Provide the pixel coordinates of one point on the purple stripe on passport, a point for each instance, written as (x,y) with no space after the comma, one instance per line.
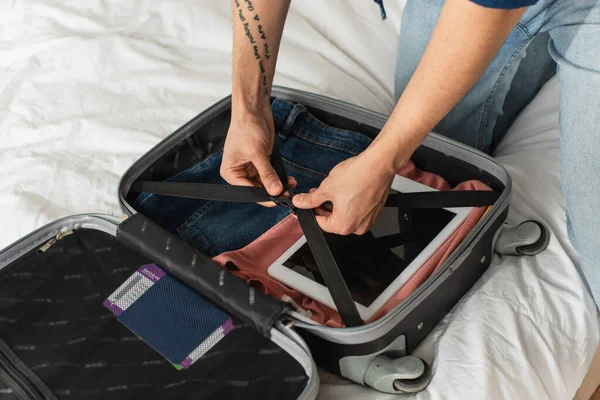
(112,307)
(185,364)
(152,272)
(227,326)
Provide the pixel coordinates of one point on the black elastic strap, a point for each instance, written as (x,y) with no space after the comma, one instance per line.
(443,199)
(278,166)
(329,269)
(204,191)
(318,246)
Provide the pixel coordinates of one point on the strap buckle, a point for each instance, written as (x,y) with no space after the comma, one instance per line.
(284,202)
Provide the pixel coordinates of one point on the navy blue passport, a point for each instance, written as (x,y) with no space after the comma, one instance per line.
(178,322)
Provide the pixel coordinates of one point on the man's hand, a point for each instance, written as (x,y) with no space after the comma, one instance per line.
(246,156)
(247,150)
(357,188)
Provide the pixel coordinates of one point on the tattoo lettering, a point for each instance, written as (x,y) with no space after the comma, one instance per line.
(265,85)
(250,37)
(262,33)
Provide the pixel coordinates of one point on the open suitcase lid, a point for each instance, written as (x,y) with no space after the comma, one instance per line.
(272,326)
(41,240)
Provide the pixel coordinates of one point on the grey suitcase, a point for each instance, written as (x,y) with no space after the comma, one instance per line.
(58,341)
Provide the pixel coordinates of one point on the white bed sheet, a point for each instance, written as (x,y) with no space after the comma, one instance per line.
(88,87)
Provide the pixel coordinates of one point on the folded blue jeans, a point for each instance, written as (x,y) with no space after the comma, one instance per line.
(310,149)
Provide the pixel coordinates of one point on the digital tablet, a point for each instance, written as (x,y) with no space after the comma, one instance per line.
(377,264)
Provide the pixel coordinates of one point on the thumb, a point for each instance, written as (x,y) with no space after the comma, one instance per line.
(268,176)
(309,200)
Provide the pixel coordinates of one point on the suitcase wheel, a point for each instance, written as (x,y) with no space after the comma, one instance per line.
(414,385)
(540,244)
(408,374)
(528,238)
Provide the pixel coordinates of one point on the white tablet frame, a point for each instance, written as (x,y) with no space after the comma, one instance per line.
(320,293)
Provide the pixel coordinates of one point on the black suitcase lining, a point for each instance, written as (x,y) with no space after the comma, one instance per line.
(52,318)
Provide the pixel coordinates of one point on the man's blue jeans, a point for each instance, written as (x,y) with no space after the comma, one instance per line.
(560,36)
(310,149)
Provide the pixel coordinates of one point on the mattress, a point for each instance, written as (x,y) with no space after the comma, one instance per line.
(88,87)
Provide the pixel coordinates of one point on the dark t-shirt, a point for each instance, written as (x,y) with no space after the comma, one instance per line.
(505,3)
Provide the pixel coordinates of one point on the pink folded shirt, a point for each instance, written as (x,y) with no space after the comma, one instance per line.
(251,262)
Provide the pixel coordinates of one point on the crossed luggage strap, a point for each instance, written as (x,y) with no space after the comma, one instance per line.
(314,236)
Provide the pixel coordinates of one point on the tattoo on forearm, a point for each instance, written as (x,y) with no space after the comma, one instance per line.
(248,34)
(257,55)
(262,33)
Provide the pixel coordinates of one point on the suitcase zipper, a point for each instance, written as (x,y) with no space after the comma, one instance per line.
(55,239)
(18,378)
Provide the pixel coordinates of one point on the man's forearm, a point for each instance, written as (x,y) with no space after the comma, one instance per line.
(464,42)
(257,29)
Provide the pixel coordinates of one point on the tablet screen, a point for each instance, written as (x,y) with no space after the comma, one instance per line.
(371,262)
